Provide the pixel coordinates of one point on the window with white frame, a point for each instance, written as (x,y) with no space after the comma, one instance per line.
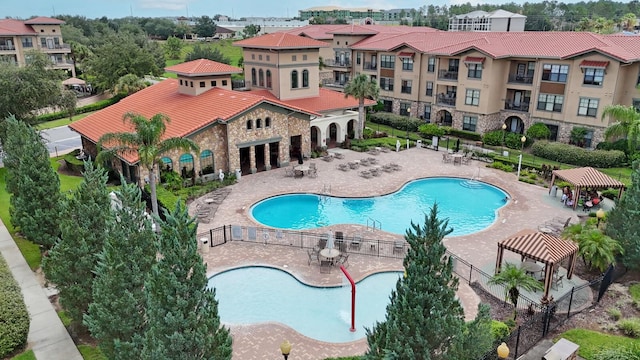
(554,72)
(472,97)
(406,86)
(469,123)
(429,88)
(387,61)
(386,84)
(588,107)
(549,102)
(431,65)
(407,63)
(474,71)
(593,76)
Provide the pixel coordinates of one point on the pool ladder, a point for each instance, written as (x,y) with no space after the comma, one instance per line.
(372,223)
(326,189)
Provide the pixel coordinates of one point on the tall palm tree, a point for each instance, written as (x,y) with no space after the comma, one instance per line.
(146,142)
(627,124)
(362,87)
(513,279)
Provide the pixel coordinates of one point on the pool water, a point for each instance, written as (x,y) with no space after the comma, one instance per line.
(254,294)
(469,205)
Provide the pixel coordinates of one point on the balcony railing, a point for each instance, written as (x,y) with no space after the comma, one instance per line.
(446,99)
(7,47)
(521,79)
(338,62)
(370,66)
(55,47)
(334,83)
(237,84)
(509,105)
(447,75)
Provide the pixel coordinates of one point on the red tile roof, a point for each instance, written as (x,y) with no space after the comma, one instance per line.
(594,64)
(318,32)
(280,40)
(15,27)
(328,100)
(43,20)
(187,113)
(203,67)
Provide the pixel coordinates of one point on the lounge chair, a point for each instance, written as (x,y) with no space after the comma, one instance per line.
(356,242)
(366,174)
(339,156)
(398,246)
(252,233)
(236,232)
(354,165)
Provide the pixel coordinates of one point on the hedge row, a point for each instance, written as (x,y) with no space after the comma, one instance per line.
(570,154)
(81,110)
(14,318)
(429,130)
(399,122)
(503,138)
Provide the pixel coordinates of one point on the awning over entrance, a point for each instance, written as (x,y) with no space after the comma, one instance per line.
(474,60)
(542,247)
(406,54)
(594,64)
(586,177)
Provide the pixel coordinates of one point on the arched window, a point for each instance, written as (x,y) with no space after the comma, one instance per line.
(186,165)
(249,124)
(268,79)
(267,122)
(253,77)
(305,78)
(294,79)
(167,164)
(206,162)
(261,77)
(258,123)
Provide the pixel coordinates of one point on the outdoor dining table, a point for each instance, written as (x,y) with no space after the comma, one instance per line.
(330,254)
(303,168)
(457,159)
(531,267)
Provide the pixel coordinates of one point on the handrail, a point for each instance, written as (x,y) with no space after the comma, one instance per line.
(373,223)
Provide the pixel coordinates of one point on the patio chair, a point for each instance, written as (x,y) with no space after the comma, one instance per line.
(354,165)
(322,242)
(398,246)
(446,158)
(356,242)
(289,172)
(557,281)
(339,156)
(466,158)
(313,255)
(366,174)
(325,266)
(312,173)
(343,260)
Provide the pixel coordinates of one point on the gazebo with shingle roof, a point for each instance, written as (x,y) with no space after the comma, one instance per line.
(584,178)
(542,247)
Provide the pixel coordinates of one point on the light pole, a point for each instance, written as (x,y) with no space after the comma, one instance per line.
(523,139)
(503,351)
(600,216)
(504,133)
(285,348)
(407,125)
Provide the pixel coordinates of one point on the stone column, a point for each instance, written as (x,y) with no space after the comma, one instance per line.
(267,157)
(252,159)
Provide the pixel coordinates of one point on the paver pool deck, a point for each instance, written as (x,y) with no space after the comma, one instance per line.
(528,207)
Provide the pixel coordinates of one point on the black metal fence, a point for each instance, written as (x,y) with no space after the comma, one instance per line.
(536,319)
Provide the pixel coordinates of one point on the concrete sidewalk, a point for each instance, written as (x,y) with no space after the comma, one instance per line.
(48,338)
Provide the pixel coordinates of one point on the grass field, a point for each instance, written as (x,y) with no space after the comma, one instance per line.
(61,122)
(234,53)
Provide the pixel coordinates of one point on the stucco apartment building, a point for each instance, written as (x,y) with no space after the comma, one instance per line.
(17,37)
(478,81)
(281,113)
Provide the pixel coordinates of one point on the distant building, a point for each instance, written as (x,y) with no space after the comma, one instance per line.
(499,20)
(336,12)
(267,25)
(17,37)
(395,14)
(224,33)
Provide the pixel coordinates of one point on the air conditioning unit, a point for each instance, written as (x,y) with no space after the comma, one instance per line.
(562,350)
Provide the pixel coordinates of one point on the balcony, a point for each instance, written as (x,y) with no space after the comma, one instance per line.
(522,106)
(446,99)
(370,66)
(331,83)
(447,75)
(338,62)
(7,48)
(521,79)
(56,48)
(238,84)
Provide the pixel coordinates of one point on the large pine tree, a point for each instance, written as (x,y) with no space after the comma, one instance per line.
(116,317)
(424,318)
(32,182)
(182,313)
(623,222)
(72,260)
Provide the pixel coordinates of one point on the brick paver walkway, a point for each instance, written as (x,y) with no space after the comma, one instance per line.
(529,206)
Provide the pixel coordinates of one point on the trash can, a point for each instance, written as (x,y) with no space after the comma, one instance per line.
(554,191)
(238,174)
(419,144)
(505,153)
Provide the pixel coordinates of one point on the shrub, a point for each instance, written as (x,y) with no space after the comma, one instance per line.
(611,193)
(510,323)
(630,327)
(493,138)
(430,130)
(615,313)
(81,110)
(501,166)
(399,122)
(14,326)
(538,131)
(464,134)
(621,353)
(574,155)
(499,330)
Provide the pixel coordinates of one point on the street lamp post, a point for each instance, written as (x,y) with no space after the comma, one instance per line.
(407,124)
(285,348)
(523,139)
(600,216)
(504,133)
(503,351)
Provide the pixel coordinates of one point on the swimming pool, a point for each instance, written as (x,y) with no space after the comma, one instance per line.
(256,294)
(470,206)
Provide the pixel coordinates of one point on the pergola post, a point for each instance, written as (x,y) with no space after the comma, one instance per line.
(499,259)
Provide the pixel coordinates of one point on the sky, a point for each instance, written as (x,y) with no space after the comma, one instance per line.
(234,8)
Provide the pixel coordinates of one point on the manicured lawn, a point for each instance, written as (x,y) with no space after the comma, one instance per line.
(61,122)
(91,353)
(592,341)
(27,355)
(226,47)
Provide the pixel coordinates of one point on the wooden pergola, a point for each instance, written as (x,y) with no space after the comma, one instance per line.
(585,178)
(546,248)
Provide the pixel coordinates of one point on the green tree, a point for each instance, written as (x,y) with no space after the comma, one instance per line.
(182,312)
(182,29)
(68,101)
(628,21)
(173,47)
(116,317)
(25,90)
(623,221)
(206,52)
(71,261)
(33,184)
(361,88)
(147,142)
(627,125)
(597,249)
(129,84)
(424,318)
(477,338)
(513,279)
(250,31)
(205,27)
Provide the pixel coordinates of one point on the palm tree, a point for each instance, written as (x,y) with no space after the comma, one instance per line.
(362,87)
(597,249)
(146,142)
(627,124)
(513,279)
(129,84)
